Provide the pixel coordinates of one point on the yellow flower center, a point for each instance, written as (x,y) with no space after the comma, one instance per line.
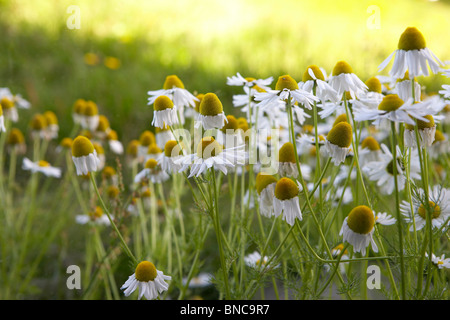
(422,211)
(374,84)
(341,135)
(50,117)
(197,103)
(90,109)
(263,180)
(97,213)
(173,81)
(103,123)
(438,136)
(151,164)
(6,103)
(342,67)
(361,220)
(79,106)
(15,136)
(98,147)
(390,102)
(42,163)
(411,39)
(422,124)
(308,128)
(172,149)
(163,103)
(287,153)
(108,172)
(341,118)
(242,124)
(38,122)
(286,82)
(390,166)
(154,149)
(132,148)
(66,143)
(370,143)
(208,147)
(232,124)
(112,192)
(317,73)
(286,189)
(147,138)
(211,105)
(81,146)
(145,271)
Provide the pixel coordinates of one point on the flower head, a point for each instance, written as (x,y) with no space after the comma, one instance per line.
(286,200)
(84,156)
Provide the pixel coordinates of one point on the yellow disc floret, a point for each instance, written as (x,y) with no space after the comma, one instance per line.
(15,137)
(197,102)
(370,143)
(151,164)
(90,109)
(145,271)
(411,39)
(286,82)
(340,118)
(154,149)
(286,189)
(438,136)
(163,103)
(361,220)
(342,67)
(6,103)
(173,81)
(147,138)
(172,149)
(390,102)
(82,146)
(132,147)
(317,73)
(374,85)
(208,147)
(287,153)
(50,117)
(43,163)
(341,135)
(97,213)
(38,122)
(232,124)
(421,125)
(263,180)
(436,210)
(211,105)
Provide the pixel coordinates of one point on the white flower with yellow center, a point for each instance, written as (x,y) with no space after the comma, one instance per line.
(314,77)
(286,90)
(2,120)
(174,88)
(230,135)
(211,154)
(172,152)
(150,281)
(287,165)
(146,139)
(84,156)
(15,98)
(286,200)
(426,130)
(265,187)
(344,80)
(412,55)
(165,112)
(384,219)
(162,135)
(52,124)
(41,166)
(38,127)
(338,142)
(153,152)
(369,150)
(403,88)
(90,117)
(77,111)
(440,262)
(211,114)
(394,109)
(152,171)
(358,228)
(115,145)
(256,261)
(438,206)
(96,217)
(248,82)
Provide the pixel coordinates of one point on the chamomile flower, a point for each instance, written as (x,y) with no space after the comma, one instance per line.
(162,135)
(96,217)
(343,80)
(211,112)
(150,281)
(440,262)
(384,219)
(38,127)
(115,145)
(152,171)
(165,112)
(90,116)
(286,89)
(287,165)
(77,111)
(338,142)
(153,152)
(313,77)
(2,120)
(52,124)
(8,106)
(426,130)
(265,187)
(41,166)
(172,152)
(369,150)
(358,228)
(286,200)
(211,154)
(255,260)
(103,127)
(16,141)
(15,98)
(412,55)
(84,156)
(230,135)
(174,88)
(393,108)
(403,88)
(249,82)
(439,146)
(146,139)
(438,202)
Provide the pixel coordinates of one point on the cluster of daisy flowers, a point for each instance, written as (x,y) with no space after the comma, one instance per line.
(352,155)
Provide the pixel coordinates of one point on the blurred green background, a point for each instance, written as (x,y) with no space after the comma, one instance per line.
(125,48)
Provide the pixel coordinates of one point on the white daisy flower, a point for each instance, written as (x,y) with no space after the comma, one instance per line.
(211,154)
(2,120)
(412,55)
(90,118)
(8,106)
(369,151)
(313,76)
(172,152)
(84,156)
(95,217)
(286,200)
(426,130)
(255,260)
(165,112)
(285,88)
(162,135)
(445,91)
(403,88)
(41,166)
(439,203)
(114,144)
(146,139)
(358,228)
(344,80)
(440,262)
(287,165)
(152,171)
(265,187)
(77,111)
(249,82)
(338,142)
(211,112)
(150,281)
(384,219)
